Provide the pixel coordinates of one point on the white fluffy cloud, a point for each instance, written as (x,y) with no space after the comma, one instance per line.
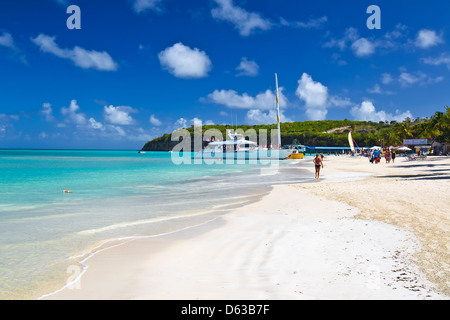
(80,57)
(184,62)
(315,96)
(386,78)
(144,5)
(395,39)
(407,79)
(155,121)
(443,59)
(366,112)
(95,124)
(248,68)
(185,123)
(181,123)
(249,22)
(317,99)
(47,111)
(118,115)
(6,127)
(261,108)
(73,115)
(246,22)
(6,40)
(362,47)
(231,99)
(257,116)
(428,38)
(116,125)
(310,24)
(378,90)
(313,93)
(197,122)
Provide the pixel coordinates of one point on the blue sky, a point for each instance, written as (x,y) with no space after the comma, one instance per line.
(140,68)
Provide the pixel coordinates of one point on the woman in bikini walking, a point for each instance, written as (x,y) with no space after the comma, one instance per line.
(318,163)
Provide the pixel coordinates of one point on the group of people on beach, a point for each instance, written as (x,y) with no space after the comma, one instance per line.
(389,156)
(375,156)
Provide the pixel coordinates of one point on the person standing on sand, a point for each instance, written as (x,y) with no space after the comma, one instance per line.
(318,163)
(393,156)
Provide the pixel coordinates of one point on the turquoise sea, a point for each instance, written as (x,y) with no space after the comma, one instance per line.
(115,194)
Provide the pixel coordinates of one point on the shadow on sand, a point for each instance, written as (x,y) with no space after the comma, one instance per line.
(429,172)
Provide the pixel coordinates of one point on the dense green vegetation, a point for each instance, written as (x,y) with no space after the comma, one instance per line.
(333,133)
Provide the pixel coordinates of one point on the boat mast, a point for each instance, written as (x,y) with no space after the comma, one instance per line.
(278,112)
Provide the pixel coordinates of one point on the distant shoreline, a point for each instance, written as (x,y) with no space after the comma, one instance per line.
(32,149)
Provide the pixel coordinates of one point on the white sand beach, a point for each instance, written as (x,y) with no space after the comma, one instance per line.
(363,232)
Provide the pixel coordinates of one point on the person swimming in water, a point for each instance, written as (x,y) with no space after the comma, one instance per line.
(318,164)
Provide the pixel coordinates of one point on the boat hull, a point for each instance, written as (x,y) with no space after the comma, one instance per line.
(295,156)
(245,155)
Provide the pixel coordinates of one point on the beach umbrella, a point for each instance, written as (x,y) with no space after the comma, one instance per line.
(375,148)
(404,149)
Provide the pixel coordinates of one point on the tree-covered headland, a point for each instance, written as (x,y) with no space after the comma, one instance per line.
(333,133)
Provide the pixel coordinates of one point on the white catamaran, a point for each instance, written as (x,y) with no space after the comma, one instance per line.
(235,146)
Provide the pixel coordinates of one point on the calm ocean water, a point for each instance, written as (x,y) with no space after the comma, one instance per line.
(115,194)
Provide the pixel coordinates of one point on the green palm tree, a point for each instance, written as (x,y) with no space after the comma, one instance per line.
(438,127)
(445,129)
(391,138)
(403,131)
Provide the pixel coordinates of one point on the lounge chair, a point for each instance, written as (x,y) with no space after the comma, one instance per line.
(411,157)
